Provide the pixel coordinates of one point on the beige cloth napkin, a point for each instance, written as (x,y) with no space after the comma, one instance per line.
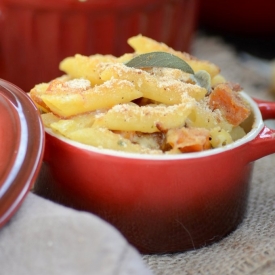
(45,238)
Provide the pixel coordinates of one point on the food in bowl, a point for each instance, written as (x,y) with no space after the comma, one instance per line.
(153,101)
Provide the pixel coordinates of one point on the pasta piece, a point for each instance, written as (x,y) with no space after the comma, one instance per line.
(36,94)
(66,126)
(204,117)
(219,137)
(103,138)
(49,118)
(218,79)
(80,66)
(145,118)
(69,103)
(177,80)
(56,86)
(167,92)
(164,74)
(125,57)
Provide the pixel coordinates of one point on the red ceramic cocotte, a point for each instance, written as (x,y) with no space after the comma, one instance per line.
(161,204)
(21,148)
(36,35)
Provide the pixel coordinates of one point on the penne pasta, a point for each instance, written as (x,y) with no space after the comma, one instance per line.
(154,100)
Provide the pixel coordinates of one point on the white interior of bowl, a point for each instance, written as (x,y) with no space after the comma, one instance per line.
(252,134)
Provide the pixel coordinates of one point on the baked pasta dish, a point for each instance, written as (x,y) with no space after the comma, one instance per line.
(154,100)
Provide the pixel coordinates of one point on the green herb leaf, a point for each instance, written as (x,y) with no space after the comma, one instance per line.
(203,79)
(168,60)
(159,59)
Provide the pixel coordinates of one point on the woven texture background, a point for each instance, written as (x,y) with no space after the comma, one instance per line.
(251,248)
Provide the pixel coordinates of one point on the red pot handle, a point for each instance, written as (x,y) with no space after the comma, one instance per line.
(267,108)
(264,143)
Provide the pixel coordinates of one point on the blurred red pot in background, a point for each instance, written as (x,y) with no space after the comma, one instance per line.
(36,35)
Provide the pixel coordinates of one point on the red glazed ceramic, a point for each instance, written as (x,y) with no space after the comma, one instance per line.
(21,148)
(35,32)
(239,17)
(161,204)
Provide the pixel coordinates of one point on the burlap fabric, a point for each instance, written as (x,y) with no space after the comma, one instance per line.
(46,238)
(251,248)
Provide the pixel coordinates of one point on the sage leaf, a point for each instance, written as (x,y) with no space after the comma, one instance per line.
(159,59)
(168,60)
(203,79)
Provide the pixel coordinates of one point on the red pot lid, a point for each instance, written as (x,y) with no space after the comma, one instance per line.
(21,148)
